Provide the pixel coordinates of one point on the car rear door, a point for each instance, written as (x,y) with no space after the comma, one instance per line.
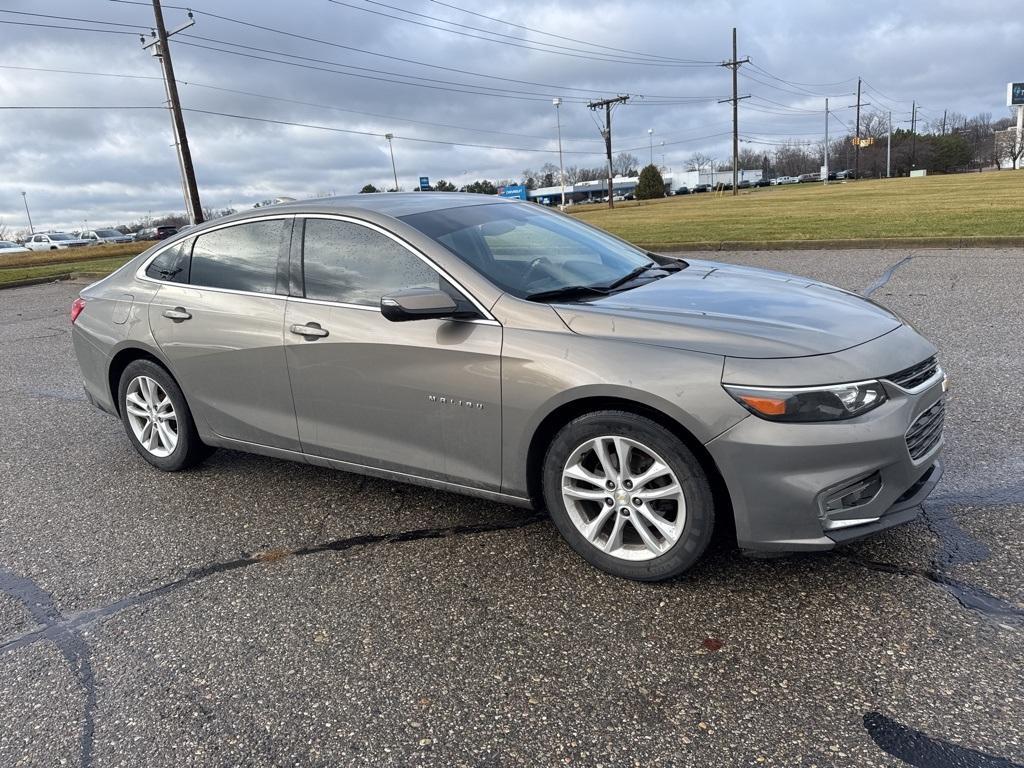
(218,318)
(421,397)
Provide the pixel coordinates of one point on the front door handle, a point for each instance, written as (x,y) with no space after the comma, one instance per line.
(311,331)
(178,314)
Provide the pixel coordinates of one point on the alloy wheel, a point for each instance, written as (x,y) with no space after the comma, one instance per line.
(151,416)
(624,498)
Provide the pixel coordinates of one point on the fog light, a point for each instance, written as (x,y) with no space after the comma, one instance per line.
(855,494)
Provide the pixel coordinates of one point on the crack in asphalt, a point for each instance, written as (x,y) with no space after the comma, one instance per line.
(922,751)
(885,277)
(64,630)
(956,547)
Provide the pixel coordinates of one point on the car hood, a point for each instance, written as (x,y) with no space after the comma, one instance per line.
(734,311)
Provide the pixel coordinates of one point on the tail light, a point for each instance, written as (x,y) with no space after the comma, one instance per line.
(76,308)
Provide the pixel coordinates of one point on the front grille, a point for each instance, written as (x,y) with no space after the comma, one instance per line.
(915,375)
(926,431)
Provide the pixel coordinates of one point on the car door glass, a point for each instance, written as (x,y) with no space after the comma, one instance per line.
(353,264)
(239,258)
(171,264)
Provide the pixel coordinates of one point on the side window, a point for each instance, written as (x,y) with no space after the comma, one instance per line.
(239,258)
(172,264)
(353,264)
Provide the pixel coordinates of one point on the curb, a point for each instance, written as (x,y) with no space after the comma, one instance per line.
(52,279)
(857,243)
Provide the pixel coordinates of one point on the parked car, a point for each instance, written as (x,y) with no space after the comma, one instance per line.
(105,236)
(683,190)
(701,188)
(156,233)
(848,174)
(744,184)
(8,246)
(804,178)
(425,338)
(787,180)
(53,241)
(762,182)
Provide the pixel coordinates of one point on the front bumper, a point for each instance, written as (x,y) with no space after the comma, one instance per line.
(781,476)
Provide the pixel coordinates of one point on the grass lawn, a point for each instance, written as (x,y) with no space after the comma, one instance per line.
(15,267)
(977,204)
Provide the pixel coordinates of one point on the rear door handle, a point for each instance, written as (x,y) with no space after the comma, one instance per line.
(311,331)
(178,314)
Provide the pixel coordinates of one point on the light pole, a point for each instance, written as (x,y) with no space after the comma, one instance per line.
(663,155)
(650,135)
(561,168)
(24,197)
(391,149)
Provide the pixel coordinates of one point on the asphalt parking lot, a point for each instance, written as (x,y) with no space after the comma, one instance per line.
(257,612)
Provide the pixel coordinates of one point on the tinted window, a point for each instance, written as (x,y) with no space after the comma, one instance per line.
(525,249)
(240,258)
(172,264)
(354,264)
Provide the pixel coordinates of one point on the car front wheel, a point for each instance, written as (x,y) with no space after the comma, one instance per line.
(628,496)
(157,419)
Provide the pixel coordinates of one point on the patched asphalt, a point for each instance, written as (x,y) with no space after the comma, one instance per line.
(258,612)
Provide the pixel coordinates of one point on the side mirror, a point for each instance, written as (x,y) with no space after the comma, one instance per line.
(417,304)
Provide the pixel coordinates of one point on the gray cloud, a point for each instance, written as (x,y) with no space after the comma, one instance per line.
(109,166)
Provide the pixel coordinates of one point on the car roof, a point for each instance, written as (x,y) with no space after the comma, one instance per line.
(393,204)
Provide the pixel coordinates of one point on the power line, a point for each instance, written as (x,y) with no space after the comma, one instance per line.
(507,42)
(194,84)
(571,39)
(65,26)
(73,18)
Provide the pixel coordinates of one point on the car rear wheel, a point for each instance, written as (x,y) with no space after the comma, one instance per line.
(157,419)
(628,496)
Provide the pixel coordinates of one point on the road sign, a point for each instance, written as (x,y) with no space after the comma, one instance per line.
(424,183)
(517,191)
(1014,94)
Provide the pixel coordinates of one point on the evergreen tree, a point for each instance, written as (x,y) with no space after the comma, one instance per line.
(651,184)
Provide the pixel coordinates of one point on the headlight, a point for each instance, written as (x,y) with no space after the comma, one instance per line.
(804,404)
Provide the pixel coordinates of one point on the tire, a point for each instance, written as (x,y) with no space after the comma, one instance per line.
(144,383)
(676,506)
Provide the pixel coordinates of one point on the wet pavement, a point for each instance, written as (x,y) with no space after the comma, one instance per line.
(258,612)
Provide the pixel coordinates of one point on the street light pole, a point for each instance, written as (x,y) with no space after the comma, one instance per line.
(24,197)
(561,168)
(391,149)
(650,135)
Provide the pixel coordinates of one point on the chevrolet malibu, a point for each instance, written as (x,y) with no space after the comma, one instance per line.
(499,349)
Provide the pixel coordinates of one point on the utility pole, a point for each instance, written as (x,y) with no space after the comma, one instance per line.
(734,65)
(24,197)
(944,121)
(856,146)
(913,135)
(163,52)
(825,180)
(607,104)
(391,149)
(650,135)
(888,150)
(561,168)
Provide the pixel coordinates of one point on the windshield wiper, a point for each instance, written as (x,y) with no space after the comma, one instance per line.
(637,272)
(568,292)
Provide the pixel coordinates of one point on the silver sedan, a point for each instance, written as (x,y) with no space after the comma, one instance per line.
(499,349)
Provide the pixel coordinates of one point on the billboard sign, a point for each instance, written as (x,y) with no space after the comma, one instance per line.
(1015,94)
(516,191)
(424,183)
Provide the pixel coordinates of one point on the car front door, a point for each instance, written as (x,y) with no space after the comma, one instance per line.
(218,318)
(420,397)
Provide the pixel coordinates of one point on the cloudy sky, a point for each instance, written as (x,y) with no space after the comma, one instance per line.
(443,77)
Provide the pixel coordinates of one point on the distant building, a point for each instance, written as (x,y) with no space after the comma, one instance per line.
(583,191)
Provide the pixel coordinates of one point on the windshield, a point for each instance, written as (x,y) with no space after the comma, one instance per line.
(60,236)
(527,250)
(108,233)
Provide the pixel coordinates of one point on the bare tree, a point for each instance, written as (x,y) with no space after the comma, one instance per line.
(4,230)
(625,164)
(699,161)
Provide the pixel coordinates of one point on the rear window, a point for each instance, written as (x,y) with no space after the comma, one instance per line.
(171,264)
(240,258)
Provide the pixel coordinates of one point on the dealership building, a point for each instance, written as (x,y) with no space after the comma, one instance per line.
(583,191)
